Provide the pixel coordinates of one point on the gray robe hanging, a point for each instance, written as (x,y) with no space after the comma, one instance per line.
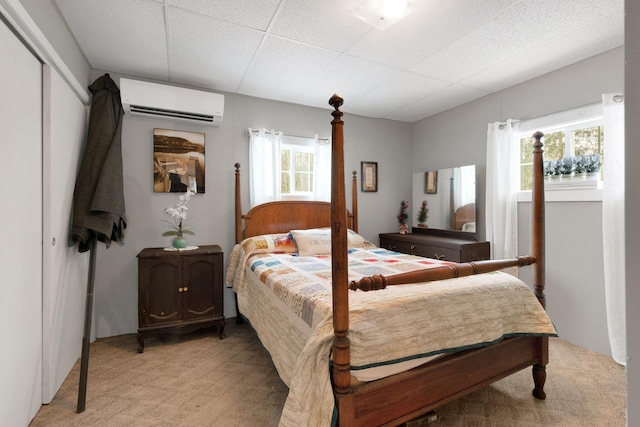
(98,199)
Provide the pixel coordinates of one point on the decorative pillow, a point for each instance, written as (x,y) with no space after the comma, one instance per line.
(269,243)
(317,241)
(469,226)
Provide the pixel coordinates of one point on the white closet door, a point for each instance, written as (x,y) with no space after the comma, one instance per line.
(21,236)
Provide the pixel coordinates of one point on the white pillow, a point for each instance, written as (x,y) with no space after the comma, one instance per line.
(317,241)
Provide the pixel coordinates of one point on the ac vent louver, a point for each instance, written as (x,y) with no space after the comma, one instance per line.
(136,109)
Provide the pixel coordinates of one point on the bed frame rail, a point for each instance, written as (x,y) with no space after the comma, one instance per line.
(451,271)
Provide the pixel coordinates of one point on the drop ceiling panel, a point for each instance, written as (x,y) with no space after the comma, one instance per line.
(426,31)
(325,24)
(442,100)
(559,52)
(247,13)
(120,35)
(405,88)
(203,50)
(282,68)
(349,77)
(517,29)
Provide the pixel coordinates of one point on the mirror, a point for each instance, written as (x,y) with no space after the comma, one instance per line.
(451,198)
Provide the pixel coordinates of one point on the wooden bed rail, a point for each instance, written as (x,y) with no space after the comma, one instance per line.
(450,271)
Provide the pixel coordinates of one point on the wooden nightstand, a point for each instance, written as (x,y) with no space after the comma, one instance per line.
(179,291)
(438,247)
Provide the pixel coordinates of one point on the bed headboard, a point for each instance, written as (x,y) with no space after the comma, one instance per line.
(464,214)
(283,216)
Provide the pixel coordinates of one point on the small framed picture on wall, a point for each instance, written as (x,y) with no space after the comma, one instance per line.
(431,182)
(369,176)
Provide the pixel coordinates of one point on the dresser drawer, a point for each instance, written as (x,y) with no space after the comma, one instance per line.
(447,249)
(436,252)
(427,251)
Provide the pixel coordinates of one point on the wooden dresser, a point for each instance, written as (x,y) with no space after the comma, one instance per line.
(436,246)
(179,291)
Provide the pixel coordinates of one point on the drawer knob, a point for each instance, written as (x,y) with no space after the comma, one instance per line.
(438,257)
(413,246)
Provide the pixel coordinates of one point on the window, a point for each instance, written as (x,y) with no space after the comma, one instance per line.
(296,167)
(288,167)
(574,142)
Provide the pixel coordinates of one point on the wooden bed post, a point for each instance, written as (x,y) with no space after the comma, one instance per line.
(538,241)
(339,265)
(238,212)
(452,204)
(538,219)
(354,200)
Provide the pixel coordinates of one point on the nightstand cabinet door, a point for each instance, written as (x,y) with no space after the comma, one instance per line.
(158,299)
(200,299)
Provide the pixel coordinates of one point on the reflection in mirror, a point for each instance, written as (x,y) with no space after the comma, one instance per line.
(452,203)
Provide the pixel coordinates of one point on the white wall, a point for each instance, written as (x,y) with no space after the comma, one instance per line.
(632,195)
(383,141)
(574,232)
(57,35)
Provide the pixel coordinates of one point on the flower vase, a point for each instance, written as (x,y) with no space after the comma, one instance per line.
(179,242)
(404,228)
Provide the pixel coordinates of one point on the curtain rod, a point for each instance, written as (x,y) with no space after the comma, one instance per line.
(293,136)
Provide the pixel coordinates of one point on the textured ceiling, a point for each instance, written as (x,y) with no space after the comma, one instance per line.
(446,53)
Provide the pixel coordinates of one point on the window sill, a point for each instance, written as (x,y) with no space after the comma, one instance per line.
(591,195)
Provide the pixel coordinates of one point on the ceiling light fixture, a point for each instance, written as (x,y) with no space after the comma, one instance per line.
(383,13)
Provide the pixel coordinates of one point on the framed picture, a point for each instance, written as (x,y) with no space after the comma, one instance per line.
(431,182)
(178,161)
(369,176)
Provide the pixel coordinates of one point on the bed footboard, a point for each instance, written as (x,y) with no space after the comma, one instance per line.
(400,398)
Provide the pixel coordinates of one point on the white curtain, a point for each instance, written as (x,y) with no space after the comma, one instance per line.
(502,190)
(613,226)
(322,169)
(264,157)
(467,192)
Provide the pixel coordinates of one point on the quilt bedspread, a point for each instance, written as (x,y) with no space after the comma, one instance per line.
(287,299)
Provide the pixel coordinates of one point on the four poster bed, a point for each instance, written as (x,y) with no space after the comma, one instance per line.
(363,336)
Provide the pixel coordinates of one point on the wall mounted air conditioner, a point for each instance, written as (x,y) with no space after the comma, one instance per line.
(141,98)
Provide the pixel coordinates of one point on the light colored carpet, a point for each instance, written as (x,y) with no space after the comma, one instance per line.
(200,380)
